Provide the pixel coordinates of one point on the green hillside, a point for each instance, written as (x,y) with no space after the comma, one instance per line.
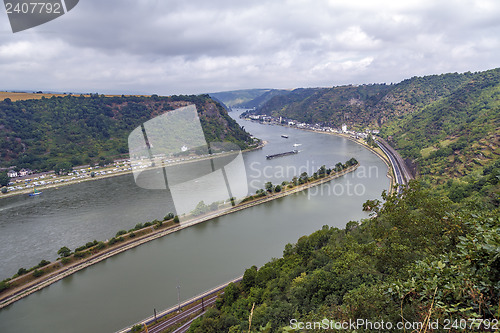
(364,105)
(43,134)
(421,258)
(456,140)
(262,99)
(429,255)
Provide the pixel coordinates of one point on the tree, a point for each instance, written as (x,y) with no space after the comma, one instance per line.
(200,209)
(277,189)
(269,187)
(176,219)
(3,285)
(169,216)
(303,178)
(322,171)
(43,263)
(64,252)
(4,179)
(63,167)
(37,273)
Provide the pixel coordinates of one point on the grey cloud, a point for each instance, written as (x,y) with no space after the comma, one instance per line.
(197,46)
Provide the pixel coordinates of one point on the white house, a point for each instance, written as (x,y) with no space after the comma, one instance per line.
(12,174)
(344,128)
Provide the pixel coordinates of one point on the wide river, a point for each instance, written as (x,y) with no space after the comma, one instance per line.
(126,288)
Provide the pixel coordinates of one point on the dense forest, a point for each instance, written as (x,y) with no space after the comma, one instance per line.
(428,254)
(421,258)
(61,132)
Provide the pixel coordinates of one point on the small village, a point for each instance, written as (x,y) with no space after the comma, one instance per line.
(26,179)
(312,127)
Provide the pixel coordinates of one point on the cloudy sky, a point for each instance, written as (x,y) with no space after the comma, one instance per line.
(189,47)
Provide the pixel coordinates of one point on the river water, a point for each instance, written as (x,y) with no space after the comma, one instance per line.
(126,288)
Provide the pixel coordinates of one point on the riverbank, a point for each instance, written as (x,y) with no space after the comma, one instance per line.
(109,173)
(376,150)
(60,271)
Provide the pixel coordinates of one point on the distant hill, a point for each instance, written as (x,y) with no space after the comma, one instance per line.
(364,105)
(445,124)
(262,99)
(238,97)
(44,133)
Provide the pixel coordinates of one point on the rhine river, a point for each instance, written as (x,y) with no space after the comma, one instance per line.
(126,288)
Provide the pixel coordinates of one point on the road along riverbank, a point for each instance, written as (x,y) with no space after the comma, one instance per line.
(18,291)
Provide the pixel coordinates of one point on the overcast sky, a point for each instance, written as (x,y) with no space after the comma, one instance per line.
(190,47)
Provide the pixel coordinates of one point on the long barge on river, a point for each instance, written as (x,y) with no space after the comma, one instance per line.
(293,152)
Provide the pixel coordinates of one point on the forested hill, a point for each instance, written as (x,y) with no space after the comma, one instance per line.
(447,126)
(455,136)
(367,105)
(238,97)
(40,134)
(428,256)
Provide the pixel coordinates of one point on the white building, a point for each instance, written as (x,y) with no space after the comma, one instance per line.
(344,128)
(24,172)
(12,174)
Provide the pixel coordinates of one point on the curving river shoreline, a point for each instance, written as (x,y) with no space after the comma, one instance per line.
(12,295)
(128,286)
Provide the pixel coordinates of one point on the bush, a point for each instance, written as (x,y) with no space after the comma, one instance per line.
(90,244)
(100,246)
(22,271)
(138,226)
(3,285)
(81,248)
(121,232)
(43,263)
(176,219)
(80,254)
(136,328)
(132,235)
(37,273)
(169,216)
(65,260)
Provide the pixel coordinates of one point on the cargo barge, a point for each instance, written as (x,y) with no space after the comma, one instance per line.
(293,152)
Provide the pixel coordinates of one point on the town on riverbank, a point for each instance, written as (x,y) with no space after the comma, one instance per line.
(26,181)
